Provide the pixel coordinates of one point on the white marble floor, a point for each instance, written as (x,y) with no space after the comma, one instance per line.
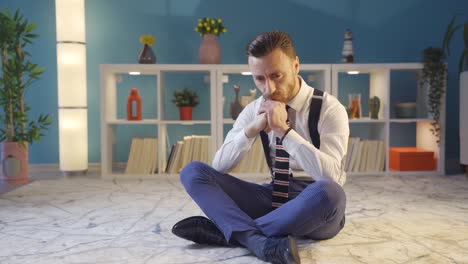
(390,219)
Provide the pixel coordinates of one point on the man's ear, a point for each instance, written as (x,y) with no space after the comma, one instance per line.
(296,65)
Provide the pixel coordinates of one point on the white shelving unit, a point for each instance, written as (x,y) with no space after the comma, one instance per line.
(111,75)
(220,78)
(380,85)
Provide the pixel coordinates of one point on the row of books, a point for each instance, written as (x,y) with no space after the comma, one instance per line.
(365,155)
(362,155)
(191,148)
(143,156)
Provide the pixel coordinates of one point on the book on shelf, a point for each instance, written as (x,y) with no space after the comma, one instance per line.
(143,156)
(191,148)
(365,155)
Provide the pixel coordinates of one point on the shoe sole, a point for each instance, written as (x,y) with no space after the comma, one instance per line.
(293,250)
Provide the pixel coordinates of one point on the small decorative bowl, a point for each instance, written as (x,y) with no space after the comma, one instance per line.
(405,110)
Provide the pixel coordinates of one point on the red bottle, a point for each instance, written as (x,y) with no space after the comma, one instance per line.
(134,97)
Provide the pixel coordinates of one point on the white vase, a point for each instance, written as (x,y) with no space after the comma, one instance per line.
(463,118)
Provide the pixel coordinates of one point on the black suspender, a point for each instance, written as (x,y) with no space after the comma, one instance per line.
(314,115)
(266,149)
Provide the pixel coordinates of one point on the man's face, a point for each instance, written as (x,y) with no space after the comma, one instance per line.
(275,75)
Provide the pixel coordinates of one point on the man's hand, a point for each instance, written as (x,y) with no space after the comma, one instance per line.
(260,123)
(276,116)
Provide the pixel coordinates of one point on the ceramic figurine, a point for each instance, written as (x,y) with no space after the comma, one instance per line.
(374,106)
(236,106)
(347,55)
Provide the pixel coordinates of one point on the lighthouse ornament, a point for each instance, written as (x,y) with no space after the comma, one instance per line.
(347,55)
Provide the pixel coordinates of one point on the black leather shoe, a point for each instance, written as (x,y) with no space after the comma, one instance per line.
(281,251)
(200,230)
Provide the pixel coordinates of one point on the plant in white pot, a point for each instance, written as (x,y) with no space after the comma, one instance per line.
(463,73)
(16,76)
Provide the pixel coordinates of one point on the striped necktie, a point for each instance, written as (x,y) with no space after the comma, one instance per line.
(281,175)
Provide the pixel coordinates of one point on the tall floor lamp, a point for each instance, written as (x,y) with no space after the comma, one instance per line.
(71,75)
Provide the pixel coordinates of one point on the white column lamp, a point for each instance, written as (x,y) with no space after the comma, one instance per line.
(71,76)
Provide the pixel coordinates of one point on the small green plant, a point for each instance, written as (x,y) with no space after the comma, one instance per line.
(451,29)
(185,98)
(17,75)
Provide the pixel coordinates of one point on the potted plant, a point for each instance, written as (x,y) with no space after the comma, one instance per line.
(434,76)
(209,28)
(17,75)
(185,100)
(463,74)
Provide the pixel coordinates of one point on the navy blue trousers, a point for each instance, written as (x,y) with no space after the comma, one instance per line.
(315,210)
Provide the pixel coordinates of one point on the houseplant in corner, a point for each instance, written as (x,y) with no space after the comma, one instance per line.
(463,74)
(434,75)
(185,100)
(209,51)
(17,75)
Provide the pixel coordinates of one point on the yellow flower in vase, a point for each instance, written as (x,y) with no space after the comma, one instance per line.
(208,28)
(209,25)
(147,40)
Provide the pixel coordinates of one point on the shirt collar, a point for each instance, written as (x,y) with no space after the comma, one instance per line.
(300,99)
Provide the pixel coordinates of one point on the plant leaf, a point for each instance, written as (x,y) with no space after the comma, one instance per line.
(448,35)
(465,35)
(463,58)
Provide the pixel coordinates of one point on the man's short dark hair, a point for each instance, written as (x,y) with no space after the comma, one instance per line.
(266,42)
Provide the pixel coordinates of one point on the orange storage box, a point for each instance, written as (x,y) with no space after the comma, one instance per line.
(411,159)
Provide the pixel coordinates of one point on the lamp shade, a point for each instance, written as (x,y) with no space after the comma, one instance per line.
(71,82)
(70,15)
(71,75)
(73,139)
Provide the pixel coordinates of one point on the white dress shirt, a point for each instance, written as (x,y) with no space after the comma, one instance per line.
(305,158)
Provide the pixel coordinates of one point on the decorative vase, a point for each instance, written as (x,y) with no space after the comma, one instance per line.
(134,105)
(15,167)
(354,106)
(146,55)
(374,107)
(185,112)
(236,106)
(209,52)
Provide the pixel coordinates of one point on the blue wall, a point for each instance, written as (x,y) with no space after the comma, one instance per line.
(383,31)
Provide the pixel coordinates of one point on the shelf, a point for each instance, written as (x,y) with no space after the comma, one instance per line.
(413,173)
(188,122)
(117,176)
(409,120)
(139,122)
(366,120)
(366,173)
(228,121)
(375,67)
(153,69)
